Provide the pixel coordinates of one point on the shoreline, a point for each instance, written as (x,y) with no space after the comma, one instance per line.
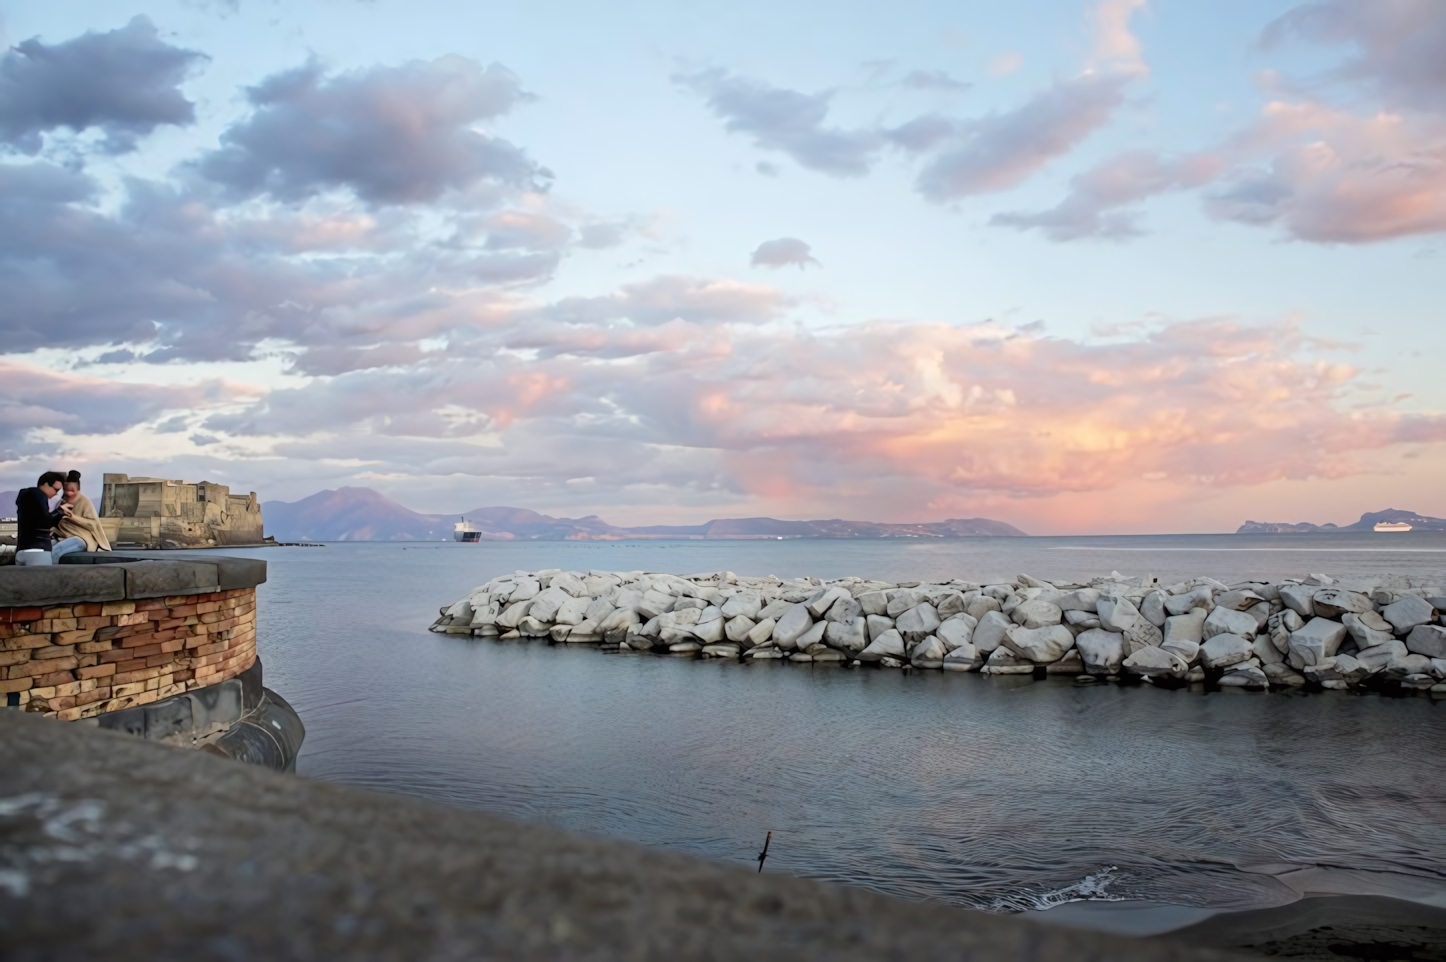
(1318,925)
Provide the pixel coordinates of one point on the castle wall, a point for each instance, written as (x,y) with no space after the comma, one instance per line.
(154,512)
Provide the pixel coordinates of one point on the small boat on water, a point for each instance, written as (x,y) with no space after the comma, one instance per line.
(1391,526)
(465,530)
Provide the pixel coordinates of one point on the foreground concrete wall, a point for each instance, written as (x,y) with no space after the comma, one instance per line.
(171,854)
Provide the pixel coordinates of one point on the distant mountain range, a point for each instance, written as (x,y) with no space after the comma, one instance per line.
(361,514)
(1368,522)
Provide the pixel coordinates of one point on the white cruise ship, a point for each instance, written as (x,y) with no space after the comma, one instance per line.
(465,530)
(1391,526)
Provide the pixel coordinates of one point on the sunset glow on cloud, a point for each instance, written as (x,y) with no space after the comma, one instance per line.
(1085,293)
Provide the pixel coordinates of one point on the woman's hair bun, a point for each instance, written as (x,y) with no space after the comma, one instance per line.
(73,477)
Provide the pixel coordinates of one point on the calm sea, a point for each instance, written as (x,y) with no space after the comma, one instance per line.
(1003,793)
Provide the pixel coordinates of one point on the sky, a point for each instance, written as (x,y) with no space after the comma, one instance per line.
(1084,266)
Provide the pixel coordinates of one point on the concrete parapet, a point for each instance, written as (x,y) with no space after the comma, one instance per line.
(187,857)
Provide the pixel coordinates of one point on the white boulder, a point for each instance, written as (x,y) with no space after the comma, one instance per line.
(813,636)
(761,633)
(545,604)
(819,606)
(951,604)
(1408,611)
(1318,640)
(844,609)
(1005,662)
(1102,651)
(928,653)
(1298,598)
(956,631)
(1201,597)
(738,627)
(1239,599)
(1380,657)
(1141,634)
(1351,670)
(888,645)
(964,658)
(745,604)
(1187,627)
(1187,650)
(573,611)
(570,583)
(982,605)
(917,622)
(795,621)
(709,632)
(1224,621)
(1334,602)
(1364,635)
(1036,614)
(1152,609)
(654,603)
(878,624)
(1151,661)
(1081,599)
(989,634)
(1428,640)
(874,602)
(902,599)
(1116,612)
(1266,651)
(1040,645)
(1224,650)
(1249,677)
(846,635)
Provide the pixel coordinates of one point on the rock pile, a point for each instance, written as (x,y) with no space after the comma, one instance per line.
(1251,635)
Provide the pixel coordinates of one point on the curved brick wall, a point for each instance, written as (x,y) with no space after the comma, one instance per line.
(105,633)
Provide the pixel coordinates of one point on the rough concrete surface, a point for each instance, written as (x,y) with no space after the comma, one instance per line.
(112,847)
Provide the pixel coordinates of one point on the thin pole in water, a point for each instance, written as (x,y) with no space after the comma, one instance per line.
(764,854)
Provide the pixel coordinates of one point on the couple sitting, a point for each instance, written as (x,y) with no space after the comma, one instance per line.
(55,509)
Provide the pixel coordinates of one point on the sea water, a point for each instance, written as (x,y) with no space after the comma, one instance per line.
(1004,793)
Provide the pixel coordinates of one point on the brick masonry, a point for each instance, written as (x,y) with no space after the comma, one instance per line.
(79,660)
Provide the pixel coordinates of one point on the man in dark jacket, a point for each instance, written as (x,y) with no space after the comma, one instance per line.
(35,517)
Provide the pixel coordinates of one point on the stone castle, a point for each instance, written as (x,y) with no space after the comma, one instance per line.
(156,513)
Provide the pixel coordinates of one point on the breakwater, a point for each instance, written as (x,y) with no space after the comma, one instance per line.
(1290,633)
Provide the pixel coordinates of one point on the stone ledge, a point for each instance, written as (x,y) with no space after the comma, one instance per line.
(107,576)
(190,856)
(54,584)
(230,572)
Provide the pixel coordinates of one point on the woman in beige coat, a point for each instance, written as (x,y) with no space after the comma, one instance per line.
(83,522)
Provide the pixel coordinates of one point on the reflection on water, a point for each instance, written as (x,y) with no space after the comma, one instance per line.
(1002,793)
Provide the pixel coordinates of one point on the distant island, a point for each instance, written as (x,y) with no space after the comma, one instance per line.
(1368,522)
(361,514)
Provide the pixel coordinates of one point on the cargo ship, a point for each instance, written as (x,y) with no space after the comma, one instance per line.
(1391,526)
(465,530)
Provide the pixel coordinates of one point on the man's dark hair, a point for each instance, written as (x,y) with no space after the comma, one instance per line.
(51,477)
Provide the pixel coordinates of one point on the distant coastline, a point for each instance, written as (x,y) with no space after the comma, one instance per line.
(1368,522)
(362,514)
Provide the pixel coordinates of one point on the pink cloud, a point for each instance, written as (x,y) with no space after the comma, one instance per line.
(1340,177)
(37,404)
(882,419)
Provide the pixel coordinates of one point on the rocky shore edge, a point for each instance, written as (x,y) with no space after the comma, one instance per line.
(1312,632)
